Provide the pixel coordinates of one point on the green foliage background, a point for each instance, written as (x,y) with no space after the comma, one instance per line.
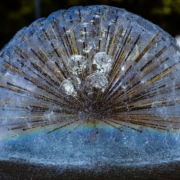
(15,14)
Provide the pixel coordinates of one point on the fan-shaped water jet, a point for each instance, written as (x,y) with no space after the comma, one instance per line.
(90,85)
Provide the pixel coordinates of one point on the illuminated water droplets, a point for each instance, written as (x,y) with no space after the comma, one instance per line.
(68,87)
(77,64)
(103,62)
(96,80)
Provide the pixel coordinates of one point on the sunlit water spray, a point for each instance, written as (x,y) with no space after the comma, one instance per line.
(90,86)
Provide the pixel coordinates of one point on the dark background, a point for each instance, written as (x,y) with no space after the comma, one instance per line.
(15,14)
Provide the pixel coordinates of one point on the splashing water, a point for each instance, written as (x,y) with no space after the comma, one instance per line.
(90,85)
